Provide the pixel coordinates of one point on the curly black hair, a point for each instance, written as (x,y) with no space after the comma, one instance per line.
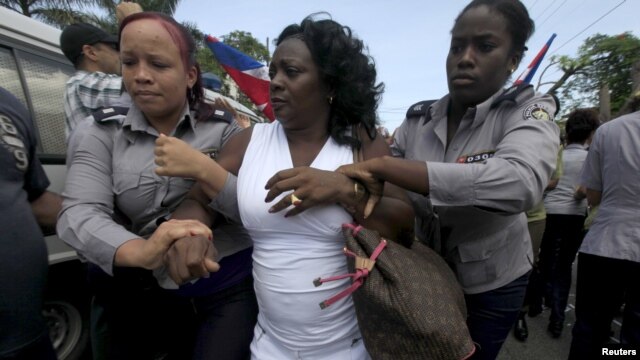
(580,125)
(346,69)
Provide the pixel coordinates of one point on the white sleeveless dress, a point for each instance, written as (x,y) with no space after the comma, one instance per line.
(289,253)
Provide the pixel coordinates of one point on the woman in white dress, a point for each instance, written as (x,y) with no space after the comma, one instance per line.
(322,87)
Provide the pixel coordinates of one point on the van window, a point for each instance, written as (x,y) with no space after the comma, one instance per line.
(46,81)
(44,84)
(9,77)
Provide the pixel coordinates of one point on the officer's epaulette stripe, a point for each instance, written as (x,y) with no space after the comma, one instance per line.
(221,115)
(106,113)
(419,108)
(511,94)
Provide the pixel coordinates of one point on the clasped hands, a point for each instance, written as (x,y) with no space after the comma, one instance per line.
(185,247)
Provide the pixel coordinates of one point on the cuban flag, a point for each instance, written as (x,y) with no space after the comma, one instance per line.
(527,75)
(251,76)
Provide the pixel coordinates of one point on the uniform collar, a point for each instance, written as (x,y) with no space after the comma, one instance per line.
(135,123)
(440,108)
(481,110)
(436,110)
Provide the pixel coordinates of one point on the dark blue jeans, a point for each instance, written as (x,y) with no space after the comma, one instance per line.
(603,285)
(492,314)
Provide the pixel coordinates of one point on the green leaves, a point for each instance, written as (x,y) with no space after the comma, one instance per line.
(601,59)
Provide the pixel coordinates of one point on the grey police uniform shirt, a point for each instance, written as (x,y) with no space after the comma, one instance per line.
(495,168)
(112,171)
(613,168)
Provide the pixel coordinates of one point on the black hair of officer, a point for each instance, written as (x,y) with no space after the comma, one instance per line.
(519,24)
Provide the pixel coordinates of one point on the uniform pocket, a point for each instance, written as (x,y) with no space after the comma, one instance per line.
(481,249)
(482,260)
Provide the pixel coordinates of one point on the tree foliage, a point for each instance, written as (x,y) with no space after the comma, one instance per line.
(57,13)
(106,18)
(101,13)
(601,59)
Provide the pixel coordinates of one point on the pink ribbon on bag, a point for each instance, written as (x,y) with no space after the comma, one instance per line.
(362,265)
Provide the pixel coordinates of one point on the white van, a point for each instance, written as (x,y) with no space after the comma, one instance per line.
(34,69)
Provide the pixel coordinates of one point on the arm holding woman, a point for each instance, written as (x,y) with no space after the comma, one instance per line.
(86,219)
(189,259)
(509,179)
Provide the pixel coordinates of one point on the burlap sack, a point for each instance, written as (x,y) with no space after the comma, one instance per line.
(410,306)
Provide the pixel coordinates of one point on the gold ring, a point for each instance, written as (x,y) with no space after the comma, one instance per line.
(295,201)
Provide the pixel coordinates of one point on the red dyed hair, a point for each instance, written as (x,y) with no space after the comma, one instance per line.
(186,47)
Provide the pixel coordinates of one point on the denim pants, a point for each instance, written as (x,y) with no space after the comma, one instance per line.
(492,314)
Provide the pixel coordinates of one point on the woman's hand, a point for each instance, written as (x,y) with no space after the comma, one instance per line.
(149,254)
(166,234)
(311,187)
(175,157)
(242,119)
(191,258)
(361,172)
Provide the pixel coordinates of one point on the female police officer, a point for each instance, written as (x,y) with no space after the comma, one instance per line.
(482,155)
(111,172)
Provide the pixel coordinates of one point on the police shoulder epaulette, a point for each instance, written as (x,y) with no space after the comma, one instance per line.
(420,108)
(110,113)
(511,94)
(221,115)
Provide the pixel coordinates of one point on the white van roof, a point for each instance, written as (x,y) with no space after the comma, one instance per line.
(17,26)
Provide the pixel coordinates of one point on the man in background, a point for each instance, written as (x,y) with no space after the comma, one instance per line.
(97,82)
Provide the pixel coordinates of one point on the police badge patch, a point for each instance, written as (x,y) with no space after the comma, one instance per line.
(536,112)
